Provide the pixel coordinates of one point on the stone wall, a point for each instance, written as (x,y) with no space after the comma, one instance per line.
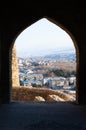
(15,73)
(68,16)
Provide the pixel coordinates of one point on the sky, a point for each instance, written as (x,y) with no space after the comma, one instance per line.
(42,37)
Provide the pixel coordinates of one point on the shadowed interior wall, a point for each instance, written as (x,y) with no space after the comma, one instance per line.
(15,20)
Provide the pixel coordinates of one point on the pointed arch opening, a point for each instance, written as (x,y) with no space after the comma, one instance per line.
(45,63)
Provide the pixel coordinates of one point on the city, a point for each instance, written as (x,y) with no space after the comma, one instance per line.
(50,71)
(46,59)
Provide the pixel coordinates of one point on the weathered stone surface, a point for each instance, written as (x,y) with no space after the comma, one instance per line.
(15,75)
(54,98)
(39,99)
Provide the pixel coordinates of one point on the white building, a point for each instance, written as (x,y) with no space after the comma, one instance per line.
(57,81)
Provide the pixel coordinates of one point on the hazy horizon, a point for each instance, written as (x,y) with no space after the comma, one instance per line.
(41,38)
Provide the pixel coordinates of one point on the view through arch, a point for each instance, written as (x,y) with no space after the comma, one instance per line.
(46,64)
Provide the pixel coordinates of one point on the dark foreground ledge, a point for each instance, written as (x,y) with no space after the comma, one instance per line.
(43,115)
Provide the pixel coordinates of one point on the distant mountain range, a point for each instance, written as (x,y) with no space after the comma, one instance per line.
(61,54)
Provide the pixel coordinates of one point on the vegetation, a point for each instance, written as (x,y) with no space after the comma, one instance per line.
(35,64)
(36,85)
(59,72)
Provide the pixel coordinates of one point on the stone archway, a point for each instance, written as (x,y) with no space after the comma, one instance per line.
(16,83)
(72,19)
